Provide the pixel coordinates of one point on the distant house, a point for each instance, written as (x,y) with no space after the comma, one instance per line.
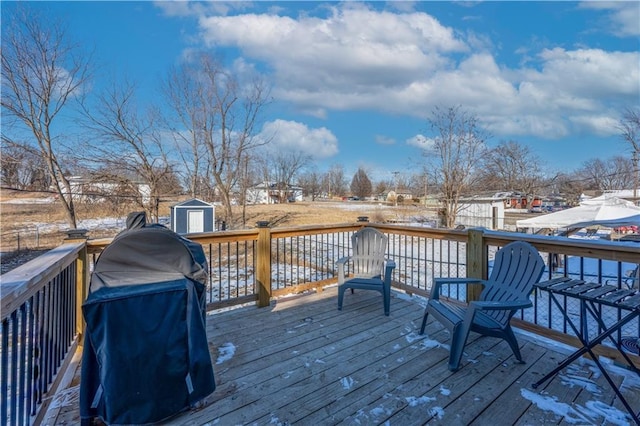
(513,200)
(393,196)
(86,189)
(193,216)
(273,193)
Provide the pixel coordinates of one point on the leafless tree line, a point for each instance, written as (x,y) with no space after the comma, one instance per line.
(203,129)
(202,136)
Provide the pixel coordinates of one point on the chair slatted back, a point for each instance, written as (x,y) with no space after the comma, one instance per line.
(369,246)
(517,267)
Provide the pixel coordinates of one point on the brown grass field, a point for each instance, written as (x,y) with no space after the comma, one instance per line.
(34,221)
(31,223)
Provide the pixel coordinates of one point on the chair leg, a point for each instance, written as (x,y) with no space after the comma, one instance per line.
(511,339)
(386,299)
(341,290)
(424,319)
(459,335)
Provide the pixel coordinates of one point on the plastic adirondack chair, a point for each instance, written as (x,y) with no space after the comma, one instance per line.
(517,267)
(368,265)
(631,279)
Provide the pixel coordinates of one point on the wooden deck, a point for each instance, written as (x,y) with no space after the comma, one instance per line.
(301,361)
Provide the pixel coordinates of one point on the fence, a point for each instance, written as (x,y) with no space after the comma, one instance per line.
(40,324)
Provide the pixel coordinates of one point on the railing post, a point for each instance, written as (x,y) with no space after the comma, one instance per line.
(82,278)
(263,272)
(476,262)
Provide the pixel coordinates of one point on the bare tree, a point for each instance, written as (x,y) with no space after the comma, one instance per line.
(283,167)
(117,194)
(571,185)
(130,144)
(382,186)
(42,71)
(279,169)
(335,181)
(245,180)
(311,183)
(630,130)
(22,167)
(419,183)
(361,184)
(215,116)
(188,121)
(511,166)
(608,174)
(458,148)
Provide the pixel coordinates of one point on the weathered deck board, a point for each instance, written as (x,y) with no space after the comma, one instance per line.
(306,366)
(301,361)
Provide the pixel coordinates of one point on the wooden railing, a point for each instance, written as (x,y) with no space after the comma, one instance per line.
(41,322)
(41,301)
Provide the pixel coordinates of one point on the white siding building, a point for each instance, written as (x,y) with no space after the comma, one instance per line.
(272,193)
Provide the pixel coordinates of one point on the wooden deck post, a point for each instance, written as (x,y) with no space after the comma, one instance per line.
(82,278)
(476,262)
(82,290)
(263,272)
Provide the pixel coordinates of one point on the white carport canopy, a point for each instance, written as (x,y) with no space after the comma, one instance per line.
(611,212)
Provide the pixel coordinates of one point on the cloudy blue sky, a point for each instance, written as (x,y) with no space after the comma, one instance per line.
(353,82)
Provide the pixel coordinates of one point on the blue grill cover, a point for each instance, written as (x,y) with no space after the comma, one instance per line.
(146,355)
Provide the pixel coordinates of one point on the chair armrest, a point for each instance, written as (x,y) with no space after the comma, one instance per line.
(389,265)
(438,282)
(484,305)
(341,262)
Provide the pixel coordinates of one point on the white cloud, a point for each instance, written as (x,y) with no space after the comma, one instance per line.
(421,142)
(572,92)
(342,60)
(600,124)
(591,71)
(624,19)
(318,143)
(192,8)
(354,57)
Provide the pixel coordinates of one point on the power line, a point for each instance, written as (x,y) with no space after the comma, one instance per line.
(83,194)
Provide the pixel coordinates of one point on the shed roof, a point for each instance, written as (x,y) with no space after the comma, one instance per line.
(194,202)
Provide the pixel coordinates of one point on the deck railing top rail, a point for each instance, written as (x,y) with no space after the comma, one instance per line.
(257,264)
(23,282)
(602,249)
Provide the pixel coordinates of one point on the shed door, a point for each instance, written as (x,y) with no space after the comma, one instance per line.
(195,220)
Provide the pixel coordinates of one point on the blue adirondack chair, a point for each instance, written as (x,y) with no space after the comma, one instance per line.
(517,267)
(631,279)
(369,268)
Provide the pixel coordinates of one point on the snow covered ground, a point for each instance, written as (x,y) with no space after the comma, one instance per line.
(418,260)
